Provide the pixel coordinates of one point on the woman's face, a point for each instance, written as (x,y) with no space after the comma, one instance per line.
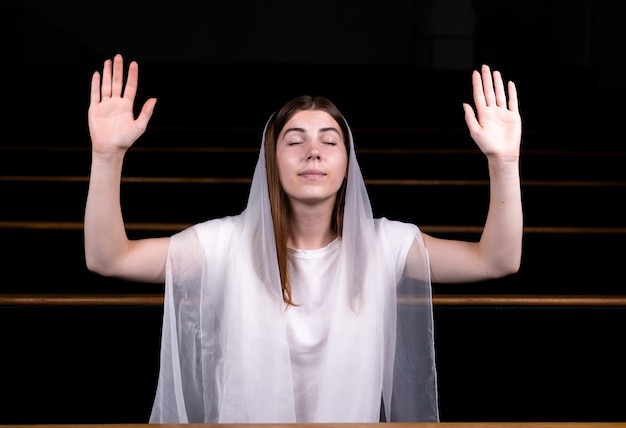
(312,158)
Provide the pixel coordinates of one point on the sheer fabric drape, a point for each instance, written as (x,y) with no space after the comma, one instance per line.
(224,351)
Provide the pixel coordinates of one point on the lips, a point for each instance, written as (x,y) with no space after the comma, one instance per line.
(312,173)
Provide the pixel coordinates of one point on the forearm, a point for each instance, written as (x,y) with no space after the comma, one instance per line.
(501,240)
(106,242)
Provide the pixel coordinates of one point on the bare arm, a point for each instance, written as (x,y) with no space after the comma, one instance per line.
(496,129)
(113,129)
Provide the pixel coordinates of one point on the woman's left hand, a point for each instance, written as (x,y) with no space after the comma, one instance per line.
(496,127)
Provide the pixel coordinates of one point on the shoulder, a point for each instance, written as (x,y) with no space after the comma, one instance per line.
(395,239)
(191,247)
(222,223)
(211,229)
(205,237)
(396,236)
(395,230)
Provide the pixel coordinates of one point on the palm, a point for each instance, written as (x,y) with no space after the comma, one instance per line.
(496,126)
(112,125)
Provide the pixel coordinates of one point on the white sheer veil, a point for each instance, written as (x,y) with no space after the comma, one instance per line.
(224,352)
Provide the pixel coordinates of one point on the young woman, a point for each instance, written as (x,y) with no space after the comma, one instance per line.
(303,307)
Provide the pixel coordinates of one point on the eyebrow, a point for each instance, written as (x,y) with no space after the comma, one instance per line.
(330,128)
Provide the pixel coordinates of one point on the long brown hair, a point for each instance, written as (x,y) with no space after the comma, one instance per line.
(278,198)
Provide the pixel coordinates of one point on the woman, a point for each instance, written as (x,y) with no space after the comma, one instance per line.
(302,308)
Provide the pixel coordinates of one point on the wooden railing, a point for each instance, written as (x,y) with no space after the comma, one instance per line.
(438,300)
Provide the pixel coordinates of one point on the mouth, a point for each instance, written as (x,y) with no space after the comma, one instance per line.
(312,173)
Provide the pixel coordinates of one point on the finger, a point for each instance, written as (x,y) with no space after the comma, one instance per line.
(146,113)
(470,119)
(513,102)
(477,89)
(131,81)
(118,76)
(106,79)
(499,89)
(95,88)
(490,97)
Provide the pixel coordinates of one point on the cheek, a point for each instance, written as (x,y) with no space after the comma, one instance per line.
(285,166)
(342,167)
(340,173)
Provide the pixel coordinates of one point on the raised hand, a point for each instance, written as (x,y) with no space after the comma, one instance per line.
(496,126)
(112,124)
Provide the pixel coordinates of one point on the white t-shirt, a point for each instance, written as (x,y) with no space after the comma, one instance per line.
(313,289)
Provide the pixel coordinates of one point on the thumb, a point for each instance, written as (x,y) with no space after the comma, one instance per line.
(470,119)
(146,112)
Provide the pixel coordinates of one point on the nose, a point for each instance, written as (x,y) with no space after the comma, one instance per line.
(314,153)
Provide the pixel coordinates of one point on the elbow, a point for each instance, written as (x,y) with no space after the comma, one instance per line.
(95,265)
(511,269)
(507,268)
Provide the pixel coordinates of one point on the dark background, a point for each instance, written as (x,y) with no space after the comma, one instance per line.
(567,56)
(399,70)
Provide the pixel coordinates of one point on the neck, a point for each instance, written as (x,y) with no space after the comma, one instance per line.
(310,230)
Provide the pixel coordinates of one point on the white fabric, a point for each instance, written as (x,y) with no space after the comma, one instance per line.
(227,341)
(308,323)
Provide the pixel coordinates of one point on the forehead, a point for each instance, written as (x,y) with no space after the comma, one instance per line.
(311,120)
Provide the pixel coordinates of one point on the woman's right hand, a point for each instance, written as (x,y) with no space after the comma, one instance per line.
(112,125)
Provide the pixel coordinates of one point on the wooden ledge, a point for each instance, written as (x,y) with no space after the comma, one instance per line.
(82,299)
(438,300)
(346,425)
(175,227)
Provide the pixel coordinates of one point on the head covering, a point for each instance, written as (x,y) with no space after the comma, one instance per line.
(224,352)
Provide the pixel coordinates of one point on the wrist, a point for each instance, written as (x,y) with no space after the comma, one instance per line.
(107,157)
